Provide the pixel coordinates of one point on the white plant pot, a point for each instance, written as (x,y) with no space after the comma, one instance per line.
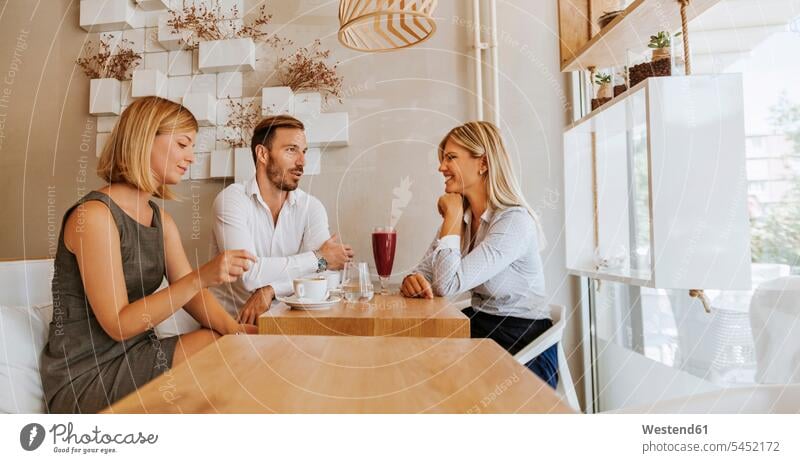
(149,82)
(222,163)
(227,55)
(150,5)
(327,130)
(203,106)
(308,103)
(168,38)
(107,15)
(277,100)
(104,97)
(244,169)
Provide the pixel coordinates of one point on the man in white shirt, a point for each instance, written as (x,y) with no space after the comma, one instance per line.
(285,227)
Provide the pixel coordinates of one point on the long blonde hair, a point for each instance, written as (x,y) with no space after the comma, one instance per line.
(483,139)
(126,155)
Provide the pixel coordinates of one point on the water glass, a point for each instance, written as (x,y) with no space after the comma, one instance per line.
(356,282)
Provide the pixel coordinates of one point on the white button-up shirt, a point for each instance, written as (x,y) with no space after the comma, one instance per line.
(284,248)
(503,270)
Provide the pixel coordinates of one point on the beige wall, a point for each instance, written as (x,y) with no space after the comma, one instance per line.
(400,104)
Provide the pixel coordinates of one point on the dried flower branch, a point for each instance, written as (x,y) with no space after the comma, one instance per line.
(102,60)
(196,24)
(308,70)
(242,118)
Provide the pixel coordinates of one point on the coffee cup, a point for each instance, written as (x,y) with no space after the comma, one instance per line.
(334,279)
(311,289)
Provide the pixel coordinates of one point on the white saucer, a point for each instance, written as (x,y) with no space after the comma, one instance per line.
(295,303)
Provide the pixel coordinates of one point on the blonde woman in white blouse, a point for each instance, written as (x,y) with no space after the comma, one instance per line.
(489,244)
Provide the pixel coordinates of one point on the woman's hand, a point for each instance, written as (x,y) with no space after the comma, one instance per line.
(451,205)
(416,285)
(227,267)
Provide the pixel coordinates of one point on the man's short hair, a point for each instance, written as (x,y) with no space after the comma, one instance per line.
(264,132)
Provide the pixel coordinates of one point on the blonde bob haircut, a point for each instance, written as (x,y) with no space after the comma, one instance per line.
(126,155)
(483,140)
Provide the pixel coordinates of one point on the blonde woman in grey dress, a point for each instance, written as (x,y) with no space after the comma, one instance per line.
(115,247)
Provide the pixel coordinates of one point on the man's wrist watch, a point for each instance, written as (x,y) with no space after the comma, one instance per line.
(322,263)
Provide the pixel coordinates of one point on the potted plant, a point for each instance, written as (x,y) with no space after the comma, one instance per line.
(242,116)
(603,81)
(660,63)
(661,44)
(308,70)
(225,43)
(604,91)
(106,65)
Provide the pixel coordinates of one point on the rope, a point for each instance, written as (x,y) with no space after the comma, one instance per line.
(687,60)
(700,294)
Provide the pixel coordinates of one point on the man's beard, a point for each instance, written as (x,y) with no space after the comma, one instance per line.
(282,179)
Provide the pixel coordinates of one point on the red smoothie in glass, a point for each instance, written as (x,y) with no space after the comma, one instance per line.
(383,246)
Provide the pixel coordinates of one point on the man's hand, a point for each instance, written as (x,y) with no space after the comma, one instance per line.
(416,285)
(336,253)
(257,304)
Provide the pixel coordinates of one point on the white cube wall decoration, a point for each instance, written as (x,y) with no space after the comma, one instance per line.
(206,140)
(149,82)
(327,130)
(308,103)
(151,43)
(179,63)
(158,61)
(102,139)
(224,109)
(178,86)
(168,38)
(229,85)
(125,93)
(145,18)
(203,106)
(227,55)
(313,162)
(105,124)
(201,167)
(277,100)
(204,83)
(244,169)
(106,15)
(136,37)
(149,5)
(222,163)
(104,97)
(224,133)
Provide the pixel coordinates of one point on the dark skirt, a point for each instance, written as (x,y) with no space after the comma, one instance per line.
(107,383)
(513,334)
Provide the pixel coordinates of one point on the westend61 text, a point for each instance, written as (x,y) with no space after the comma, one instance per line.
(691,429)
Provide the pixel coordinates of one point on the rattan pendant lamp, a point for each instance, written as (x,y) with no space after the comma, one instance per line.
(385,25)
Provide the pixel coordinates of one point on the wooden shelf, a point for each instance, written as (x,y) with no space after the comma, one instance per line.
(630,31)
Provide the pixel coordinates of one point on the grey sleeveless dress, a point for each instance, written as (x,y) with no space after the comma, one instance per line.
(83,369)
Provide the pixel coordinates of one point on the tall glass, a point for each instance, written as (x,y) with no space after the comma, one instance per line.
(356,282)
(384,242)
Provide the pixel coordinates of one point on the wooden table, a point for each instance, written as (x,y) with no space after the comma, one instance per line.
(346,374)
(392,315)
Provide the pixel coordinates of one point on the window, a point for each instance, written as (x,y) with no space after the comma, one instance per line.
(653,344)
